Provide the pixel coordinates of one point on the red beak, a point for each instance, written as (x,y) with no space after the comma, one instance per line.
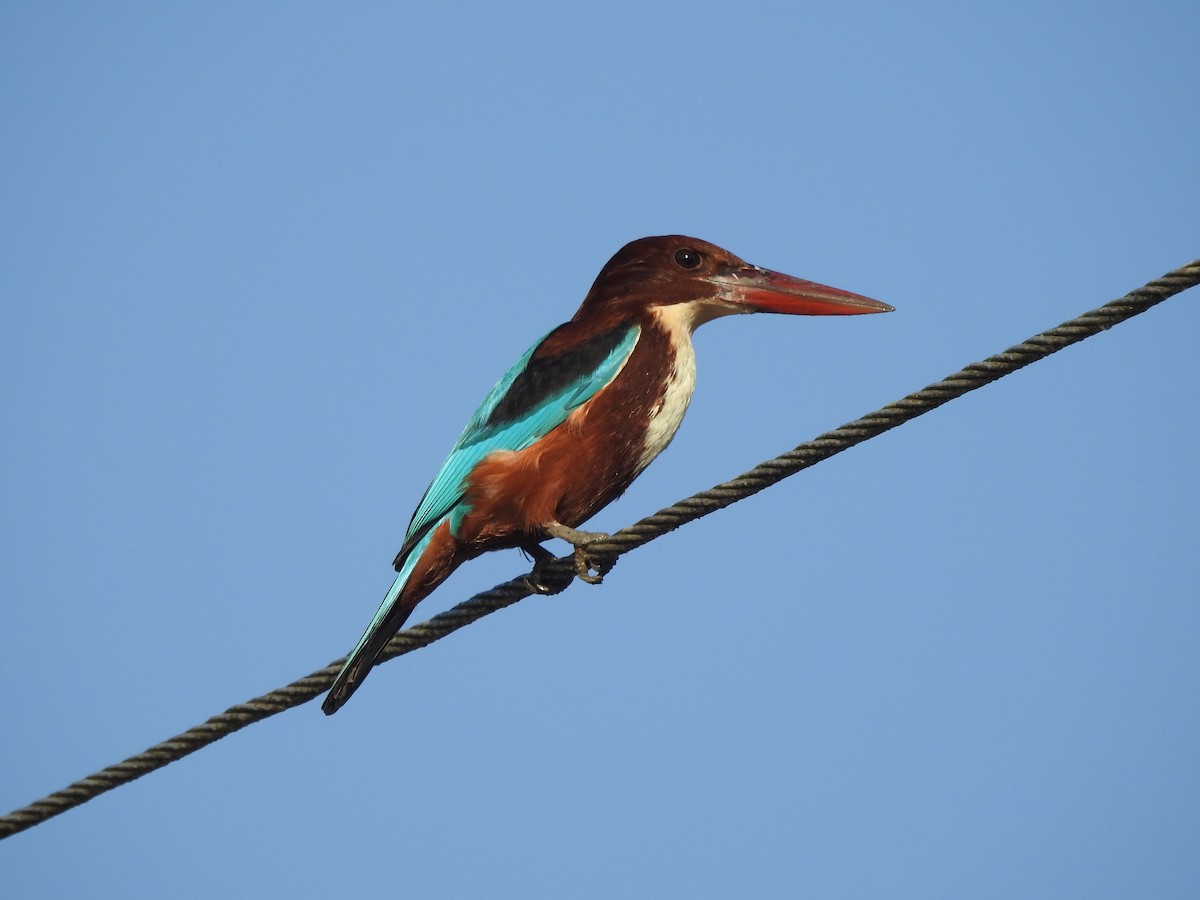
(761,290)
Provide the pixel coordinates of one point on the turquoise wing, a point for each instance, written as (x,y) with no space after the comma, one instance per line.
(533,398)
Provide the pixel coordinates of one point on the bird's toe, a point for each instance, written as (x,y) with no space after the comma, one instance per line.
(590,568)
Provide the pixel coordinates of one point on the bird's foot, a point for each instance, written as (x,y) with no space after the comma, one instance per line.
(541,580)
(585,564)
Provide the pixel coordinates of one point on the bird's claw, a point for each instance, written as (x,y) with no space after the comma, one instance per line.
(585,563)
(587,567)
(542,581)
(537,586)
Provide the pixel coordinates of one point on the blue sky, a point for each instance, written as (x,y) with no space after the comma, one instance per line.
(259,262)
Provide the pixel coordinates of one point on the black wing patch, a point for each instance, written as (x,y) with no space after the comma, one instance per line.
(543,377)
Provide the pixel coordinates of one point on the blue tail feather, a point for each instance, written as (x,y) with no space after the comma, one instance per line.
(388,619)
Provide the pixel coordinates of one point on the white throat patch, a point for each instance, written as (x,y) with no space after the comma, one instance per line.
(677,321)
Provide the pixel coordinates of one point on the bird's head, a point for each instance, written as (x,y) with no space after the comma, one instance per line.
(705,282)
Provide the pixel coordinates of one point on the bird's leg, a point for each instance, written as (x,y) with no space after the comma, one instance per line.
(539,579)
(584,565)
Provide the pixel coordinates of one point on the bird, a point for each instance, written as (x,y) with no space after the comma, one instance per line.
(577,418)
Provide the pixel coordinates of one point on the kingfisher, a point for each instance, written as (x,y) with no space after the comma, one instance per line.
(577,418)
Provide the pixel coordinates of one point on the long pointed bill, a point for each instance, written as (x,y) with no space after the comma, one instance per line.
(761,290)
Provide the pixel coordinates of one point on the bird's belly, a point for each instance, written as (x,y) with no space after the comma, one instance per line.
(565,478)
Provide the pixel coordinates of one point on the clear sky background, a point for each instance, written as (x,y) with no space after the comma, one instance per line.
(259,262)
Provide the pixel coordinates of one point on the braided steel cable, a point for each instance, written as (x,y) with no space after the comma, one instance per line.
(560,572)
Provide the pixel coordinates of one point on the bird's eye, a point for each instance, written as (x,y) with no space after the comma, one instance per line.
(687,258)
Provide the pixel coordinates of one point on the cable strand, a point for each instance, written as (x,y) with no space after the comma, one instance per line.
(606,552)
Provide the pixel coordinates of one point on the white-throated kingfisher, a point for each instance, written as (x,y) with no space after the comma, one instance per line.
(577,419)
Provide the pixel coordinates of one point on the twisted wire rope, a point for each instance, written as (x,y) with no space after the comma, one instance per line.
(560,572)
